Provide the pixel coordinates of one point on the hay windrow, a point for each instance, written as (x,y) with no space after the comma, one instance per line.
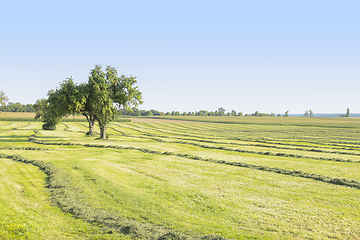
(253,142)
(295,173)
(69,198)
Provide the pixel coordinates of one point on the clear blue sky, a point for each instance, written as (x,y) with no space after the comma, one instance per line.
(266,56)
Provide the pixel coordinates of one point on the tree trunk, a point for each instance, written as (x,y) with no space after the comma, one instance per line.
(91,128)
(103,133)
(91,121)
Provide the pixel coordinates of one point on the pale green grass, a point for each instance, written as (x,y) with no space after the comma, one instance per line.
(26,212)
(12,125)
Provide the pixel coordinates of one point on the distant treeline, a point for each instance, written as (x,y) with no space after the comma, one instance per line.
(220,112)
(137,112)
(17,107)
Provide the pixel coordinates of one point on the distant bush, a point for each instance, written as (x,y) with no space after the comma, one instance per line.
(48,126)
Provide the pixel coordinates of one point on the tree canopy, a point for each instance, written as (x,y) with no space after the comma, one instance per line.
(98,100)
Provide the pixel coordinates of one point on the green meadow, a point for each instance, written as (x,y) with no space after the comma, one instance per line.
(198,178)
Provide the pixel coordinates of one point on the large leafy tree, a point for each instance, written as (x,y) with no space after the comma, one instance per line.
(98,99)
(107,92)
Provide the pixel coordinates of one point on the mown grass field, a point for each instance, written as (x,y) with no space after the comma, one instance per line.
(278,178)
(292,121)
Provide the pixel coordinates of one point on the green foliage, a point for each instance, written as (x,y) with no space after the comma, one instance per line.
(17,107)
(134,111)
(55,107)
(257,114)
(311,113)
(49,126)
(106,89)
(221,111)
(123,91)
(95,100)
(3,98)
(46,111)
(98,90)
(347,112)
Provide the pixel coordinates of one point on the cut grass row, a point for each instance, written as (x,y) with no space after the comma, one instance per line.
(269,162)
(265,145)
(71,199)
(336,169)
(253,144)
(267,148)
(296,173)
(298,142)
(288,132)
(291,121)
